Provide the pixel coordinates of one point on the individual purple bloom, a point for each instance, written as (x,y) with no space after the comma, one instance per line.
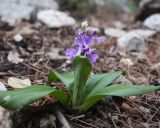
(92,57)
(83,39)
(71,52)
(83,43)
(80,40)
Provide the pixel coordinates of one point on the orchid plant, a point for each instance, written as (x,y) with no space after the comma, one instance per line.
(83,89)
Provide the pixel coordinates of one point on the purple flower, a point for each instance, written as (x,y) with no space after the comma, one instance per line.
(71,53)
(84,43)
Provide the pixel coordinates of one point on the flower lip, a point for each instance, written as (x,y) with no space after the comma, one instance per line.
(71,52)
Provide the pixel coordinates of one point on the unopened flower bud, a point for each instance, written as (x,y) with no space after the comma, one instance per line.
(84,25)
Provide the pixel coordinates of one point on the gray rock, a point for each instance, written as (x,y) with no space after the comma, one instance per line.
(153,22)
(132,42)
(114,5)
(55,19)
(113,32)
(5,118)
(144,33)
(13,11)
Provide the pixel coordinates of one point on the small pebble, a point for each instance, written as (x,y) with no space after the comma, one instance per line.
(18,38)
(126,61)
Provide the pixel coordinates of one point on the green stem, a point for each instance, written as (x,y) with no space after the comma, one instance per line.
(75,87)
(74,98)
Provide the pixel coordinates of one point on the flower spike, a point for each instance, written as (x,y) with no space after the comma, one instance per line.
(84,42)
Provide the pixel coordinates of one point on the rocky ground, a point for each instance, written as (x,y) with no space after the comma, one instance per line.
(31,49)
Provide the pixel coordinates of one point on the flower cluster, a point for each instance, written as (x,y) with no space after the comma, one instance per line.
(84,42)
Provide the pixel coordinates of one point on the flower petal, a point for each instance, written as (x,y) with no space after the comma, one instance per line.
(71,53)
(93,57)
(89,39)
(79,32)
(80,40)
(93,33)
(100,39)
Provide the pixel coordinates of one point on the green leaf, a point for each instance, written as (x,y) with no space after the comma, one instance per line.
(52,77)
(66,78)
(91,82)
(82,69)
(16,99)
(98,82)
(128,90)
(118,90)
(90,102)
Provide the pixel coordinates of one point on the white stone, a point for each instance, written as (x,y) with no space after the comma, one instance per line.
(14,57)
(143,32)
(55,19)
(14,11)
(126,61)
(153,22)
(113,32)
(18,83)
(119,25)
(132,42)
(18,38)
